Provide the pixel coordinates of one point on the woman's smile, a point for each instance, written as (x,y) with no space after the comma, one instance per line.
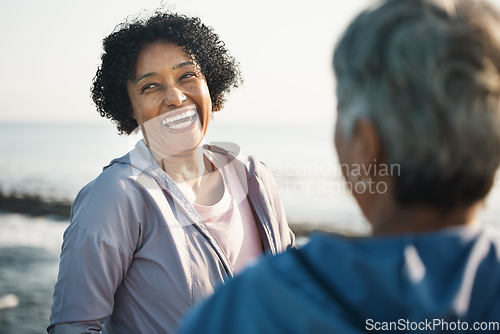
(181,119)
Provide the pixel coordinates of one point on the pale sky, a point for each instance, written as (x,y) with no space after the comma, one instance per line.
(50,52)
(51,49)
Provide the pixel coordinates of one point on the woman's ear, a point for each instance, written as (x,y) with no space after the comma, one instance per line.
(131,111)
(367,146)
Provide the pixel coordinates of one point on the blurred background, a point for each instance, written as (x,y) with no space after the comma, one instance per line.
(53,142)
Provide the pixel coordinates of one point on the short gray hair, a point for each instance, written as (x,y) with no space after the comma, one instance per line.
(427,75)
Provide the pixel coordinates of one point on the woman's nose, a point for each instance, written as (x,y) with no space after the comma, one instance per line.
(174,97)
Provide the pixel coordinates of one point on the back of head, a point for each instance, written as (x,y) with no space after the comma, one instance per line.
(427,75)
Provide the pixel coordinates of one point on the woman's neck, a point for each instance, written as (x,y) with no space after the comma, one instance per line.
(193,174)
(187,166)
(419,219)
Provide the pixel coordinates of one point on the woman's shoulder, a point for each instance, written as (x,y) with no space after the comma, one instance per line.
(114,188)
(115,179)
(108,210)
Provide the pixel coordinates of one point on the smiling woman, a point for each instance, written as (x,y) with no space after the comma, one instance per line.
(165,224)
(169,84)
(127,61)
(166,78)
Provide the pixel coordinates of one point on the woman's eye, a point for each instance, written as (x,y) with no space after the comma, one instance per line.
(148,87)
(188,75)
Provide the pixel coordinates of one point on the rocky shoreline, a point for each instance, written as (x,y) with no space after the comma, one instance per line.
(36,206)
(33,205)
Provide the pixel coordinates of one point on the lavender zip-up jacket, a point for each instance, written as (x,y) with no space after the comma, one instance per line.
(136,255)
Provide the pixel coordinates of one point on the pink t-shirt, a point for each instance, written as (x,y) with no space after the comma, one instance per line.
(232,222)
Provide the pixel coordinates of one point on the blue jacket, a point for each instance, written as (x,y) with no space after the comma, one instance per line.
(440,282)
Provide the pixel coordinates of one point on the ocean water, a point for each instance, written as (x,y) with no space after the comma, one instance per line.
(54,161)
(29,249)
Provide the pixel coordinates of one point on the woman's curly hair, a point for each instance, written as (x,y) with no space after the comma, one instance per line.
(121,50)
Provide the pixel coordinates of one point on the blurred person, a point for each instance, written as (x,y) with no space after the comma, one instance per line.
(418,88)
(165,224)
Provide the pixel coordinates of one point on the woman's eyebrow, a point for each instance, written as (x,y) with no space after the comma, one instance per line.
(186,63)
(144,76)
(151,74)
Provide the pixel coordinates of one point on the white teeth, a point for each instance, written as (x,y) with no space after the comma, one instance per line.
(186,114)
(180,126)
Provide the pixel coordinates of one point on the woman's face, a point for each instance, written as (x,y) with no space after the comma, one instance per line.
(166,81)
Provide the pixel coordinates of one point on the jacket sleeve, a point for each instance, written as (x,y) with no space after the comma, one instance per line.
(287,238)
(68,329)
(97,250)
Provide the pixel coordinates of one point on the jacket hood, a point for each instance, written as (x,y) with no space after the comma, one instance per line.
(447,275)
(141,158)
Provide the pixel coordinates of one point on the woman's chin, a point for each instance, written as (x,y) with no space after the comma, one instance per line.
(177,138)
(186,141)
